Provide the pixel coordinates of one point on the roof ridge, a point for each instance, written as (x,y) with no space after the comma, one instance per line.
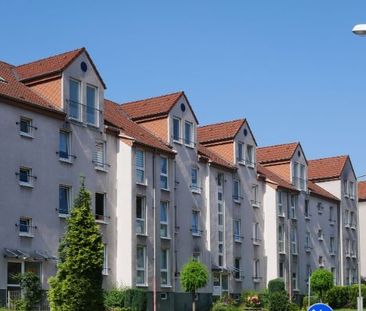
(224,122)
(279,145)
(153,97)
(333,157)
(48,57)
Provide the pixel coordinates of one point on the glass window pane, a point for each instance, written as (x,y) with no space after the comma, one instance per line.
(74,99)
(63,200)
(176,129)
(24,175)
(34,267)
(90,104)
(163,165)
(64,145)
(188,133)
(14,268)
(99,204)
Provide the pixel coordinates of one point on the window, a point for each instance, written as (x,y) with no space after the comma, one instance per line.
(256,239)
(64,146)
(25,227)
(240,153)
(307,242)
(302,177)
(281,238)
(345,188)
(164,267)
(25,127)
(188,126)
(100,206)
(293,203)
(220,179)
(14,268)
(334,272)
(164,232)
(351,190)
(332,245)
(99,156)
(299,176)
(91,105)
(348,248)
(164,173)
(140,215)
(308,273)
(196,255)
(320,235)
(176,130)
(140,166)
(320,208)
(353,248)
(321,261)
(256,268)
(236,191)
(221,248)
(25,176)
(281,211)
(293,241)
(195,223)
(64,199)
(255,197)
(346,218)
(141,265)
(281,269)
(237,230)
(295,172)
(75,103)
(105,260)
(195,180)
(237,271)
(307,209)
(249,156)
(294,281)
(331,215)
(220,210)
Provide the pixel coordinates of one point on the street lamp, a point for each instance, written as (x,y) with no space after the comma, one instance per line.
(359,29)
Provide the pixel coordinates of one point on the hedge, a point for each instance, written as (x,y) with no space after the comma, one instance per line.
(125,299)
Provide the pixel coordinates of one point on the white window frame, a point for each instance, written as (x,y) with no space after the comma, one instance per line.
(190,143)
(320,235)
(141,221)
(237,231)
(256,270)
(163,223)
(255,236)
(293,237)
(29,182)
(255,196)
(195,216)
(307,241)
(67,134)
(29,133)
(346,188)
(165,269)
(95,108)
(249,155)
(281,210)
(281,239)
(144,268)
(140,169)
(332,249)
(195,187)
(237,269)
(164,175)
(293,206)
(79,117)
(100,164)
(240,156)
(179,140)
(295,283)
(351,187)
(29,225)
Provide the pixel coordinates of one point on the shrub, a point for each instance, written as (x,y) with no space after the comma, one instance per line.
(276,285)
(125,299)
(278,301)
(222,306)
(31,289)
(313,300)
(338,297)
(293,307)
(247,299)
(353,294)
(321,281)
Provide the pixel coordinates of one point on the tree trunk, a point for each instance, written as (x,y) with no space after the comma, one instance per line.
(193,302)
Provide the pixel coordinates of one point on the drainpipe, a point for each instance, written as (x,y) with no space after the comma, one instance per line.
(154,234)
(288,221)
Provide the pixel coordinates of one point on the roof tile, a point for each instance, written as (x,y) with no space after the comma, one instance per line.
(362,191)
(274,178)
(214,157)
(326,168)
(314,188)
(219,131)
(276,153)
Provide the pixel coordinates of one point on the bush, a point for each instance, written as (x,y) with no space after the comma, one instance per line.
(276,285)
(222,306)
(278,301)
(125,299)
(293,307)
(31,291)
(313,300)
(353,294)
(338,297)
(321,281)
(252,299)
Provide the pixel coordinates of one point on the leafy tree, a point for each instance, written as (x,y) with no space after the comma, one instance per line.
(321,281)
(77,285)
(193,276)
(31,291)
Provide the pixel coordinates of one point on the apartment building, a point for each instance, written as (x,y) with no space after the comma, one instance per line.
(362,219)
(163,188)
(336,175)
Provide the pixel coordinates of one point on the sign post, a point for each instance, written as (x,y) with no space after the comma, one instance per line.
(320,307)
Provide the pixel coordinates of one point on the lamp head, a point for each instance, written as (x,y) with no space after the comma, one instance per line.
(359,30)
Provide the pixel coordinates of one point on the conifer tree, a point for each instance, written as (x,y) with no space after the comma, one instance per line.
(77,285)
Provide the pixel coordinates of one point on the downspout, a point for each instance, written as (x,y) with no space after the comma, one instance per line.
(340,230)
(289,248)
(154,234)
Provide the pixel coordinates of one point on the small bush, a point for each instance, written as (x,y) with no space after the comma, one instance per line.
(276,285)
(293,307)
(252,299)
(125,299)
(338,297)
(353,294)
(313,300)
(222,306)
(321,282)
(278,301)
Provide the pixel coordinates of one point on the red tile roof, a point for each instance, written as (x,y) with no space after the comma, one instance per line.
(214,157)
(118,118)
(317,190)
(51,66)
(326,168)
(152,108)
(224,131)
(362,191)
(11,88)
(276,153)
(274,178)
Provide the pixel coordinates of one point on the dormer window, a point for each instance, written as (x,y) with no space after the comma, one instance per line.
(249,156)
(299,176)
(188,134)
(176,130)
(74,100)
(240,153)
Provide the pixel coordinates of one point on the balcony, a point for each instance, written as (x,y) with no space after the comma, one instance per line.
(26,230)
(82,113)
(308,249)
(256,203)
(256,241)
(238,238)
(196,232)
(100,166)
(196,189)
(332,222)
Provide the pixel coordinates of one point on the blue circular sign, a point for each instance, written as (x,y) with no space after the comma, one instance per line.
(320,307)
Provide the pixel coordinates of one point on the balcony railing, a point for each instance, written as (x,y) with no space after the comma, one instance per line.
(101,165)
(237,198)
(82,113)
(102,218)
(256,203)
(256,241)
(26,230)
(196,189)
(238,238)
(196,231)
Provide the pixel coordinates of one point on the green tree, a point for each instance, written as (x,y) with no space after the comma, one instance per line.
(321,281)
(31,291)
(77,285)
(193,276)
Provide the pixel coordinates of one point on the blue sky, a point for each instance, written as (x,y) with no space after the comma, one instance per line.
(292,68)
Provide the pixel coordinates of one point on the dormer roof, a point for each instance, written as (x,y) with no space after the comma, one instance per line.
(276,153)
(327,168)
(153,107)
(51,67)
(362,191)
